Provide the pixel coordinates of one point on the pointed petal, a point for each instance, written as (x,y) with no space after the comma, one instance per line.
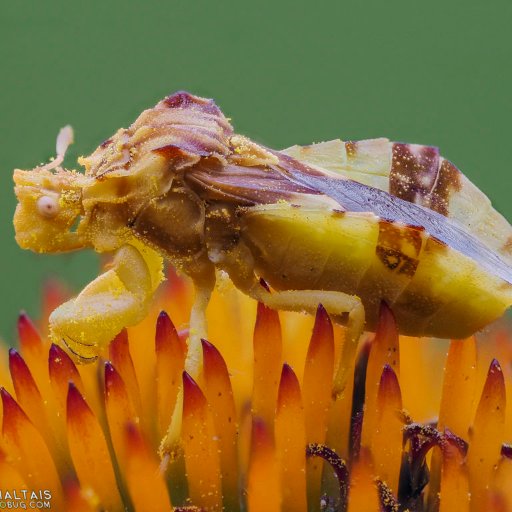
(231,317)
(62,371)
(144,480)
(317,391)
(454,486)
(263,489)
(27,392)
(30,341)
(79,499)
(219,395)
(363,493)
(170,361)
(487,436)
(386,445)
(201,448)
(456,415)
(290,435)
(120,410)
(121,358)
(318,377)
(267,363)
(30,400)
(33,350)
(89,451)
(27,449)
(384,350)
(459,381)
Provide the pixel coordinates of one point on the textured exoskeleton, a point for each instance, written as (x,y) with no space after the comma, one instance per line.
(345,224)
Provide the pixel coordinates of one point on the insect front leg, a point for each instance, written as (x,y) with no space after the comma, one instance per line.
(118,298)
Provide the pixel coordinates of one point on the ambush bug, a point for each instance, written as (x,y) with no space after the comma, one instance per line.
(344,224)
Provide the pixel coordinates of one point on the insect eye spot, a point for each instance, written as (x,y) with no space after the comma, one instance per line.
(48,206)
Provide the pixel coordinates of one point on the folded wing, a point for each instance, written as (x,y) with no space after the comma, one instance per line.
(358,197)
(416,174)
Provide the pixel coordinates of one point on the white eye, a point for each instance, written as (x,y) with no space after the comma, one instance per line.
(48,206)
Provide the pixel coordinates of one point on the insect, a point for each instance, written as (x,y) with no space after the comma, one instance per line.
(344,224)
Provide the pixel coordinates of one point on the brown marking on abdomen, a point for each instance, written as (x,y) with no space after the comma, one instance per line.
(399,247)
(448,182)
(396,236)
(422,178)
(123,187)
(413,173)
(397,261)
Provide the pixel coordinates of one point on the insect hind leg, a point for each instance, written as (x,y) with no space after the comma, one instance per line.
(239,265)
(337,304)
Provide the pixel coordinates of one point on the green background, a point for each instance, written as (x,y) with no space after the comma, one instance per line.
(433,72)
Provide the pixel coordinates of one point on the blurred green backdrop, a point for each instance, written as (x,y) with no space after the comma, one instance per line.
(286,72)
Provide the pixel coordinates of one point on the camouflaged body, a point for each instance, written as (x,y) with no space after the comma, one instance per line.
(381,220)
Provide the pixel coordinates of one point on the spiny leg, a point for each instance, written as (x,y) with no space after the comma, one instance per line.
(118,298)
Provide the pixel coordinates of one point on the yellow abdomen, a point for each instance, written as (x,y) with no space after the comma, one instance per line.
(432,289)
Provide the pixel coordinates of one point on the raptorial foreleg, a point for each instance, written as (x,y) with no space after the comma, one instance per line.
(116,299)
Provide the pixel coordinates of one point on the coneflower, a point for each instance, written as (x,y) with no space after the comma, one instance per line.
(260,428)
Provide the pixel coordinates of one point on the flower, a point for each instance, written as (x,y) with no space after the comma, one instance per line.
(260,429)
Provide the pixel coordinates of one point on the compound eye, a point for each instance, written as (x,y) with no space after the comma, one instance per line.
(48,206)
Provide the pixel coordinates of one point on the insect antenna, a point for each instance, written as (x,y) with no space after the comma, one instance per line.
(64,140)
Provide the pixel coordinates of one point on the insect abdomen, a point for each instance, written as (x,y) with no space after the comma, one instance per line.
(295,248)
(432,289)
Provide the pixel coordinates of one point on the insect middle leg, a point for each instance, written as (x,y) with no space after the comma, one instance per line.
(203,287)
